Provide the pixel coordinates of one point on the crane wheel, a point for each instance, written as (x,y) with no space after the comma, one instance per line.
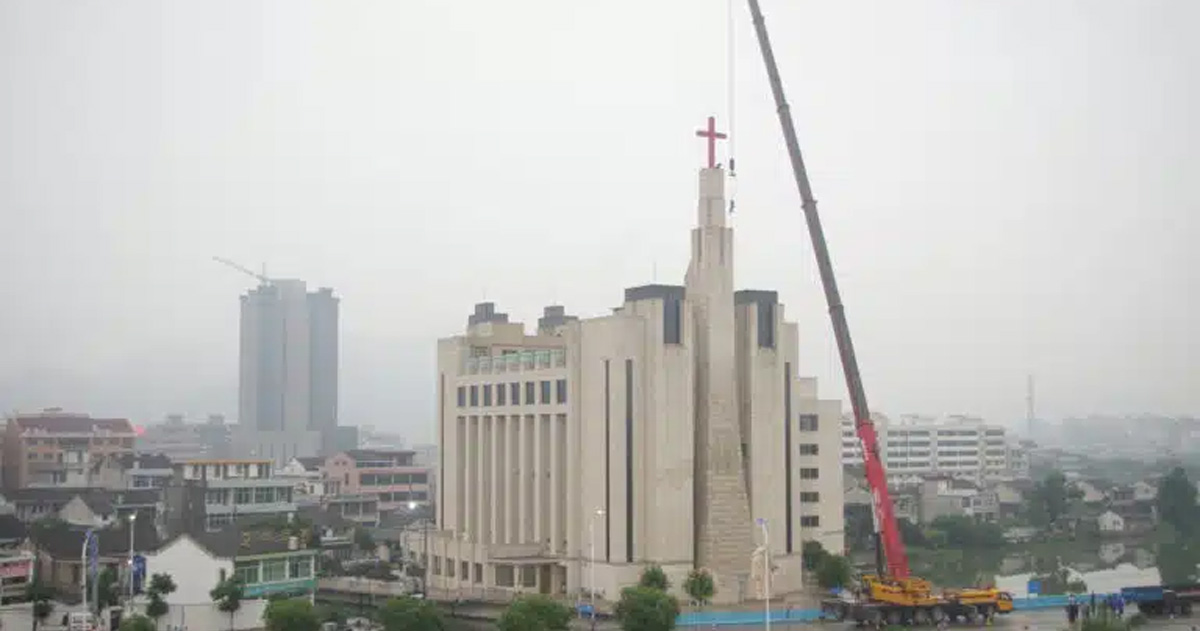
(894,617)
(937,614)
(921,617)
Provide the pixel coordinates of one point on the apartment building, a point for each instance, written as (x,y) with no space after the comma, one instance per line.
(390,474)
(667,433)
(57,448)
(205,495)
(916,447)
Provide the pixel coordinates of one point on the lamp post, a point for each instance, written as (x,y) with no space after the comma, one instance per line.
(599,512)
(762,523)
(132,520)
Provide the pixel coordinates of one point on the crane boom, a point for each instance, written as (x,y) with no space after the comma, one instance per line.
(243,269)
(888,531)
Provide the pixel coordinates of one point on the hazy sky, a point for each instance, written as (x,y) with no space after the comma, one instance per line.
(1008,187)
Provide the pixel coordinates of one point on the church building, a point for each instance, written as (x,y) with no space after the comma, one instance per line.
(675,431)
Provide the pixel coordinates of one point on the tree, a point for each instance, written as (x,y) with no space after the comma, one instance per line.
(911,534)
(228,595)
(654,578)
(963,532)
(363,540)
(536,613)
(137,623)
(161,585)
(644,608)
(410,614)
(700,586)
(108,588)
(331,613)
(40,595)
(1051,499)
(834,571)
(291,615)
(1177,502)
(812,553)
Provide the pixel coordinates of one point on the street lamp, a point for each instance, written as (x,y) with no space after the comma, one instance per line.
(766,547)
(132,520)
(599,512)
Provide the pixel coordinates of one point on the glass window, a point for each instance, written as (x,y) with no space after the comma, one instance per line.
(474,396)
(247,573)
(242,496)
(500,392)
(810,521)
(514,390)
(264,495)
(809,473)
(808,450)
(545,392)
(530,393)
(275,570)
(487,395)
(810,497)
(560,388)
(808,422)
(462,396)
(300,568)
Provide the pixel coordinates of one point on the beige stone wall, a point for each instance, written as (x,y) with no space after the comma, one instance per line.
(724,525)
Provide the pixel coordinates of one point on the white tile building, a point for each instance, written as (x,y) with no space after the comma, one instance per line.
(654,435)
(961,446)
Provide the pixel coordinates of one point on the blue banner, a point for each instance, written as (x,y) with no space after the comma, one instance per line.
(93,552)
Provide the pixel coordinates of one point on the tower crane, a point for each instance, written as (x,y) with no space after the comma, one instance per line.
(262,278)
(892,595)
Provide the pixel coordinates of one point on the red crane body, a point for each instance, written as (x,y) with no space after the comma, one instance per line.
(888,542)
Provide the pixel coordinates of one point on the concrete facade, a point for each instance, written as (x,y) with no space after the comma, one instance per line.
(288,371)
(573,458)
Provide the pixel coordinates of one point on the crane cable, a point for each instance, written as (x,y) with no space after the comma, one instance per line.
(730,82)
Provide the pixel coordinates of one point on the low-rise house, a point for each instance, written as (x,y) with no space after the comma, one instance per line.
(361,509)
(269,562)
(54,448)
(1091,491)
(58,551)
(1144,491)
(132,471)
(391,474)
(16,572)
(947,496)
(1010,501)
(309,478)
(85,507)
(1110,523)
(209,494)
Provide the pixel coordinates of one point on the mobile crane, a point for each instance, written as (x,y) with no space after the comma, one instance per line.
(891,595)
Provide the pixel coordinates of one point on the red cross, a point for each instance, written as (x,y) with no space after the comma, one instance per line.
(712,135)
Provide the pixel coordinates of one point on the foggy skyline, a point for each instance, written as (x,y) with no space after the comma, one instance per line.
(1007,188)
